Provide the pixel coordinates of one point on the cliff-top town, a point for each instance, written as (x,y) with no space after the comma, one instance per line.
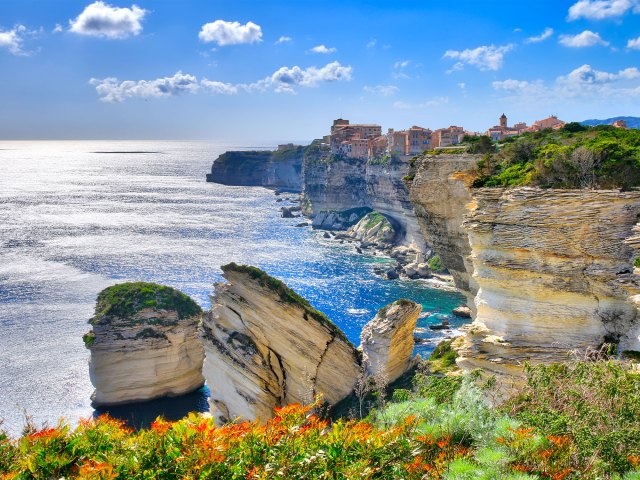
(361,140)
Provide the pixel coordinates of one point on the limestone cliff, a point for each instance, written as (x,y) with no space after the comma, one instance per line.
(272,169)
(267,347)
(334,184)
(554,274)
(387,340)
(440,191)
(144,344)
(373,229)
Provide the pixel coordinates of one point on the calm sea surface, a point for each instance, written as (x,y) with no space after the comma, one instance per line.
(76,217)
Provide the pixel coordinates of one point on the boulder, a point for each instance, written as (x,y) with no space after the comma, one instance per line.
(462,311)
(144,344)
(387,340)
(374,229)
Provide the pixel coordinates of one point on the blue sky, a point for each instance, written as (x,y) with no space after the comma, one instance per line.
(263,71)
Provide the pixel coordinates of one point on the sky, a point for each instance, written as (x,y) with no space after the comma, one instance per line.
(265,71)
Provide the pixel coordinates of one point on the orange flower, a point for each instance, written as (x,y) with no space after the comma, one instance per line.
(634,460)
(98,470)
(160,426)
(561,475)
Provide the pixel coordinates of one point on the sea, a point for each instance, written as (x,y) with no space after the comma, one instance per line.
(76,217)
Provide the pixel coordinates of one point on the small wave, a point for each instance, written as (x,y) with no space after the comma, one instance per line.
(357,311)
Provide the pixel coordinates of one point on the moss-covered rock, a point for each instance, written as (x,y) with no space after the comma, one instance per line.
(126,299)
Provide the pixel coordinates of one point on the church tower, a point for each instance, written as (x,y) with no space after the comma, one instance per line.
(503,121)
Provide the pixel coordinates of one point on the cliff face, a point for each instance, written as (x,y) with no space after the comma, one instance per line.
(553,272)
(440,191)
(340,183)
(145,353)
(279,169)
(264,349)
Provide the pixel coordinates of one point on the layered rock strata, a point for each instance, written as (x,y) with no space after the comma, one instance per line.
(387,341)
(440,191)
(553,272)
(144,344)
(267,347)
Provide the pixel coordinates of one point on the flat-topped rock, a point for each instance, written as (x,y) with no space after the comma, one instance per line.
(144,344)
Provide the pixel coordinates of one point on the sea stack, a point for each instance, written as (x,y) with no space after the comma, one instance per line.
(387,340)
(267,347)
(144,344)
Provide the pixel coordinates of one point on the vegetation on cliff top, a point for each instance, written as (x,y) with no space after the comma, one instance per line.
(126,299)
(571,157)
(577,421)
(286,295)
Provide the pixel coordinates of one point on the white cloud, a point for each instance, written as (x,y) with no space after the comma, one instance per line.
(322,49)
(540,38)
(581,40)
(582,82)
(485,57)
(102,20)
(230,33)
(461,85)
(13,39)
(401,64)
(283,39)
(372,43)
(384,90)
(602,9)
(219,88)
(634,43)
(433,102)
(111,90)
(57,29)
(284,79)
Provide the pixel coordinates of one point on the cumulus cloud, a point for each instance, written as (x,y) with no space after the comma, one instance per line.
(384,90)
(283,39)
(112,90)
(102,20)
(57,29)
(322,49)
(581,40)
(540,38)
(285,79)
(13,39)
(634,43)
(433,102)
(602,9)
(230,33)
(485,57)
(582,82)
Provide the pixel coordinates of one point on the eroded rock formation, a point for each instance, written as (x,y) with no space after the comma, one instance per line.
(387,340)
(144,344)
(267,347)
(553,272)
(373,229)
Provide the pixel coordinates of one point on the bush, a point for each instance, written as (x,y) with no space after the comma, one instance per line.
(435,264)
(596,404)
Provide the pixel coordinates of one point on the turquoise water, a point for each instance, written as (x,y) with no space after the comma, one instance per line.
(75,219)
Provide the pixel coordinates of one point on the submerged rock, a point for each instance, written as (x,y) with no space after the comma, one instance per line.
(267,347)
(144,344)
(462,311)
(387,340)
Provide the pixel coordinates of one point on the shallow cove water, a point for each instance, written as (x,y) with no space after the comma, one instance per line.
(76,217)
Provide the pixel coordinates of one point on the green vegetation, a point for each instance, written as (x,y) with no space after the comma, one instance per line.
(443,358)
(571,157)
(479,144)
(578,421)
(595,404)
(127,299)
(286,294)
(89,339)
(435,264)
(150,333)
(636,262)
(403,302)
(297,151)
(374,218)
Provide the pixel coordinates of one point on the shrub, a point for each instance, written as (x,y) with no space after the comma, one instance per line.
(435,264)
